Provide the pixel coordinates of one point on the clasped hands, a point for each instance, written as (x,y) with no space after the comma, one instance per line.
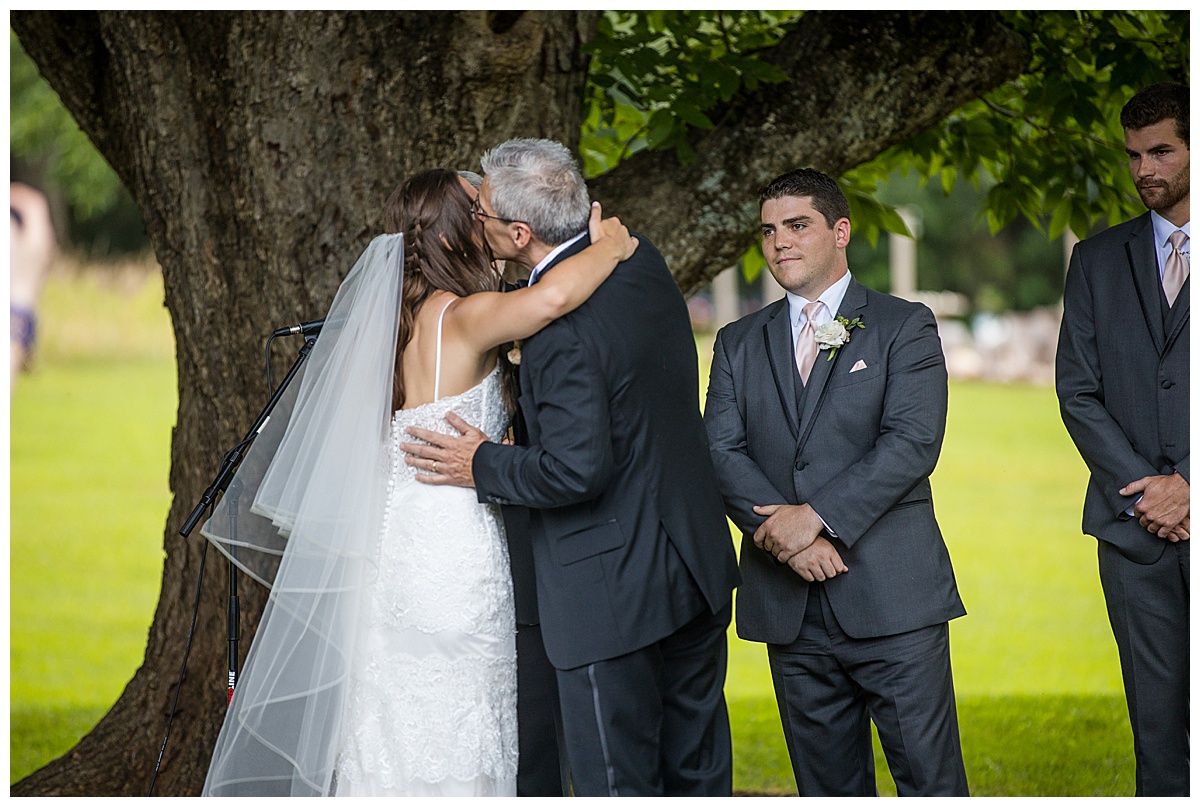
(1165,507)
(792,533)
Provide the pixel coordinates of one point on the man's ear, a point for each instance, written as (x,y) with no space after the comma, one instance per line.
(841,229)
(521,235)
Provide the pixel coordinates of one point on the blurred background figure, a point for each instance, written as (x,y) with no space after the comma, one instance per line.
(32,249)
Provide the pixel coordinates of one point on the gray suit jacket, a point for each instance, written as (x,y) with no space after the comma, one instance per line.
(1122,378)
(860,453)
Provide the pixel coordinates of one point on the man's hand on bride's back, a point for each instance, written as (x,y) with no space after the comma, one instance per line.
(611,228)
(446,459)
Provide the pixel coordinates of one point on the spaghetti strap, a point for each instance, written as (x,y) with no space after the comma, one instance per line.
(437,362)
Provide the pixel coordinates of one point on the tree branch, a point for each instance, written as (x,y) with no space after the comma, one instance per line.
(1008,113)
(880,78)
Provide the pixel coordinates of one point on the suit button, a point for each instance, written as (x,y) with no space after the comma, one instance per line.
(1168,384)
(801,465)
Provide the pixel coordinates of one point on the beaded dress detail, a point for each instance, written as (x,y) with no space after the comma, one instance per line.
(432,706)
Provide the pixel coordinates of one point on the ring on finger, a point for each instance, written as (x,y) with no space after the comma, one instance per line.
(435,466)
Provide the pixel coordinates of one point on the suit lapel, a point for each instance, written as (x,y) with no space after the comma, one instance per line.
(777,333)
(1144,264)
(852,304)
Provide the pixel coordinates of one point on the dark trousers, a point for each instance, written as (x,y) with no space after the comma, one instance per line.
(539,722)
(653,722)
(830,687)
(1149,613)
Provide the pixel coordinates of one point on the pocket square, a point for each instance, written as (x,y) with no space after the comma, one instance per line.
(858,365)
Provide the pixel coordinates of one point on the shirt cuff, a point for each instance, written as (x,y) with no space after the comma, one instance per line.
(828,529)
(1129,510)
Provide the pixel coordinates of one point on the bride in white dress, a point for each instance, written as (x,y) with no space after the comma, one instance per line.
(385,661)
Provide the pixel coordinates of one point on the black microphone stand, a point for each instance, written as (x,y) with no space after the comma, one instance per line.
(222,485)
(233,494)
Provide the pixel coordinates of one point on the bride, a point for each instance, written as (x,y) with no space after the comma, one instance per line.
(385,660)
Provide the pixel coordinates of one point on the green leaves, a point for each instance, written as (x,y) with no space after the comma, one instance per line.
(1047,147)
(41,130)
(658,75)
(868,216)
(1051,141)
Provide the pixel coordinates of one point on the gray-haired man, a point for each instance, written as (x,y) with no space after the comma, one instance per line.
(635,567)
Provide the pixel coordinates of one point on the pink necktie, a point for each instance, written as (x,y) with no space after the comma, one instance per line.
(806,342)
(1175,270)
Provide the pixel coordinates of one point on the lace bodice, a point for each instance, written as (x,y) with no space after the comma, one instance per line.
(482,406)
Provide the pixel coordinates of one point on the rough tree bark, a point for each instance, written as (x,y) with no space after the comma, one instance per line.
(260,148)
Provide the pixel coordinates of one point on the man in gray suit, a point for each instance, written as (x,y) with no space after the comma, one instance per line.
(823,432)
(1123,388)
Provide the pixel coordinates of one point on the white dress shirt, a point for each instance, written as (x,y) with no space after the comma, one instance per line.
(831,297)
(541,267)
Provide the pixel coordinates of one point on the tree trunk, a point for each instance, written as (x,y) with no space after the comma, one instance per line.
(260,148)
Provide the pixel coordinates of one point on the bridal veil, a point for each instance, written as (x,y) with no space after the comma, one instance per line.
(303,516)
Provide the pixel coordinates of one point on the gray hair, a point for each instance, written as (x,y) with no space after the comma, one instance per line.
(472,177)
(538,182)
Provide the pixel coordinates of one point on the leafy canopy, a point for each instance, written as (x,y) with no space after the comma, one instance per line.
(1047,146)
(1051,141)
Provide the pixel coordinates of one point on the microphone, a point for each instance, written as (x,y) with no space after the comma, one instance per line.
(304,328)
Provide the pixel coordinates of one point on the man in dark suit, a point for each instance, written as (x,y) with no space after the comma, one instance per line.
(824,431)
(635,569)
(1123,388)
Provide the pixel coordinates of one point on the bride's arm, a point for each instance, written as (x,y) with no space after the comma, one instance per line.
(487,319)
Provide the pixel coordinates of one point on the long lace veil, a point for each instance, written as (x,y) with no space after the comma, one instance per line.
(303,516)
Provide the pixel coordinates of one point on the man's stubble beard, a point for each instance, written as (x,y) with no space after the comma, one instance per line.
(1166,196)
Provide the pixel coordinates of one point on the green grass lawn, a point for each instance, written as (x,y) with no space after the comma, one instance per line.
(1039,694)
(89,450)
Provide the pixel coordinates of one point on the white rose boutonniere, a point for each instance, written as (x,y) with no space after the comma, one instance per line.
(832,335)
(514,355)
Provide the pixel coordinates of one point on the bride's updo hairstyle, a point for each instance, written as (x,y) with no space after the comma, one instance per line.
(443,249)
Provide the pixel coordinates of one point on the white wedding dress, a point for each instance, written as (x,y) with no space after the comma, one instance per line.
(385,659)
(432,703)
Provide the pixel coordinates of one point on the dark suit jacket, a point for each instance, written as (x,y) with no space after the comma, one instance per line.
(627,511)
(516,528)
(860,453)
(1122,378)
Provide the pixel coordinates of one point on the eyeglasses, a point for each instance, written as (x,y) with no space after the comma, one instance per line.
(479,213)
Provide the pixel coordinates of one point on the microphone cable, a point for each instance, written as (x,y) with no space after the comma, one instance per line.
(270,386)
(182,669)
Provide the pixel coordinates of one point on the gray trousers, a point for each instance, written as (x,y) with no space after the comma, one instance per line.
(1149,611)
(830,687)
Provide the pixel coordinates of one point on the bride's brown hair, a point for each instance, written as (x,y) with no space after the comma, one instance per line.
(444,249)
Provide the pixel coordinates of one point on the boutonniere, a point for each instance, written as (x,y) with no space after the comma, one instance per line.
(832,335)
(514,355)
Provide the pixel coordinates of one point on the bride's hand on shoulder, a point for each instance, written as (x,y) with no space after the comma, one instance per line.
(612,232)
(487,319)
